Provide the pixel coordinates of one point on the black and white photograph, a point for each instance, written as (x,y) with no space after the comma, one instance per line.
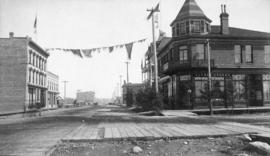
(134,77)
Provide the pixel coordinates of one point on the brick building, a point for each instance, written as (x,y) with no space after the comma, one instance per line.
(240,62)
(85,97)
(53,90)
(22,74)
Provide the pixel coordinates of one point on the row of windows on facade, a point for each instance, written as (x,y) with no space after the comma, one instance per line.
(37,78)
(36,60)
(242,53)
(52,86)
(34,96)
(238,87)
(190,26)
(238,82)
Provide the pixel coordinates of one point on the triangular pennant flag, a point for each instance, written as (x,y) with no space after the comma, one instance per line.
(110,49)
(87,52)
(129,49)
(77,52)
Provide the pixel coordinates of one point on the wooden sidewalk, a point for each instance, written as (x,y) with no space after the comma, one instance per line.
(151,131)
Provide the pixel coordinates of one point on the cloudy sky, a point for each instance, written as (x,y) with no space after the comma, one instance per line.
(98,23)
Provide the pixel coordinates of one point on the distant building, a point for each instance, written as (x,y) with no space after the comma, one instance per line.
(239,60)
(53,89)
(86,97)
(22,74)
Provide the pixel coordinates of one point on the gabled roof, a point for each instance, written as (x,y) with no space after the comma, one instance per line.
(190,9)
(238,32)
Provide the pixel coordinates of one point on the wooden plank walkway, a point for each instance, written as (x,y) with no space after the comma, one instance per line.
(118,131)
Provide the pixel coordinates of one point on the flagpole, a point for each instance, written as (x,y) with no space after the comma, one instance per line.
(154,47)
(35,24)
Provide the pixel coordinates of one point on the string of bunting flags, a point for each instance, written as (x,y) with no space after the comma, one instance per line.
(88,52)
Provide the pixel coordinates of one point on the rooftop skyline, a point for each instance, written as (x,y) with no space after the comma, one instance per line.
(97,23)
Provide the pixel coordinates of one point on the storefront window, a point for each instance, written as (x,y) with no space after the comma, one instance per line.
(266,87)
(200,86)
(239,87)
(218,87)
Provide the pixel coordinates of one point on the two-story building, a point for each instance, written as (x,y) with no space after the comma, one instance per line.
(22,74)
(148,69)
(239,61)
(53,90)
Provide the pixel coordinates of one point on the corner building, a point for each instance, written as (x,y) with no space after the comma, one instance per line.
(240,62)
(22,75)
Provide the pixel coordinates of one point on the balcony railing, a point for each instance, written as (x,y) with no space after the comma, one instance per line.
(202,63)
(173,66)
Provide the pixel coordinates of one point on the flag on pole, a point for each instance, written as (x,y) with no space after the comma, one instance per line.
(35,25)
(156,9)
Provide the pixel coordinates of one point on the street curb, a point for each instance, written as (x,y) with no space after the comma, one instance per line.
(149,138)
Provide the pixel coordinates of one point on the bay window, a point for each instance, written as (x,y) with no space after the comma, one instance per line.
(183,54)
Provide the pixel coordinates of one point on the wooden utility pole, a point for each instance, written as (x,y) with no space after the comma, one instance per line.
(209,77)
(152,13)
(120,93)
(127,72)
(65,85)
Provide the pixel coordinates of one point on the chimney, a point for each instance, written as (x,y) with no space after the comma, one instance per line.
(224,21)
(11,34)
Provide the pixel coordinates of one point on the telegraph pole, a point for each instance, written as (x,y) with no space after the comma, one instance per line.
(120,83)
(127,72)
(65,84)
(209,77)
(152,12)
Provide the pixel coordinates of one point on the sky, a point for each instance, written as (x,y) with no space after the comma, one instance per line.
(97,23)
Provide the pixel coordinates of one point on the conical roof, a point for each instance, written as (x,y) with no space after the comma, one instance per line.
(190,9)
